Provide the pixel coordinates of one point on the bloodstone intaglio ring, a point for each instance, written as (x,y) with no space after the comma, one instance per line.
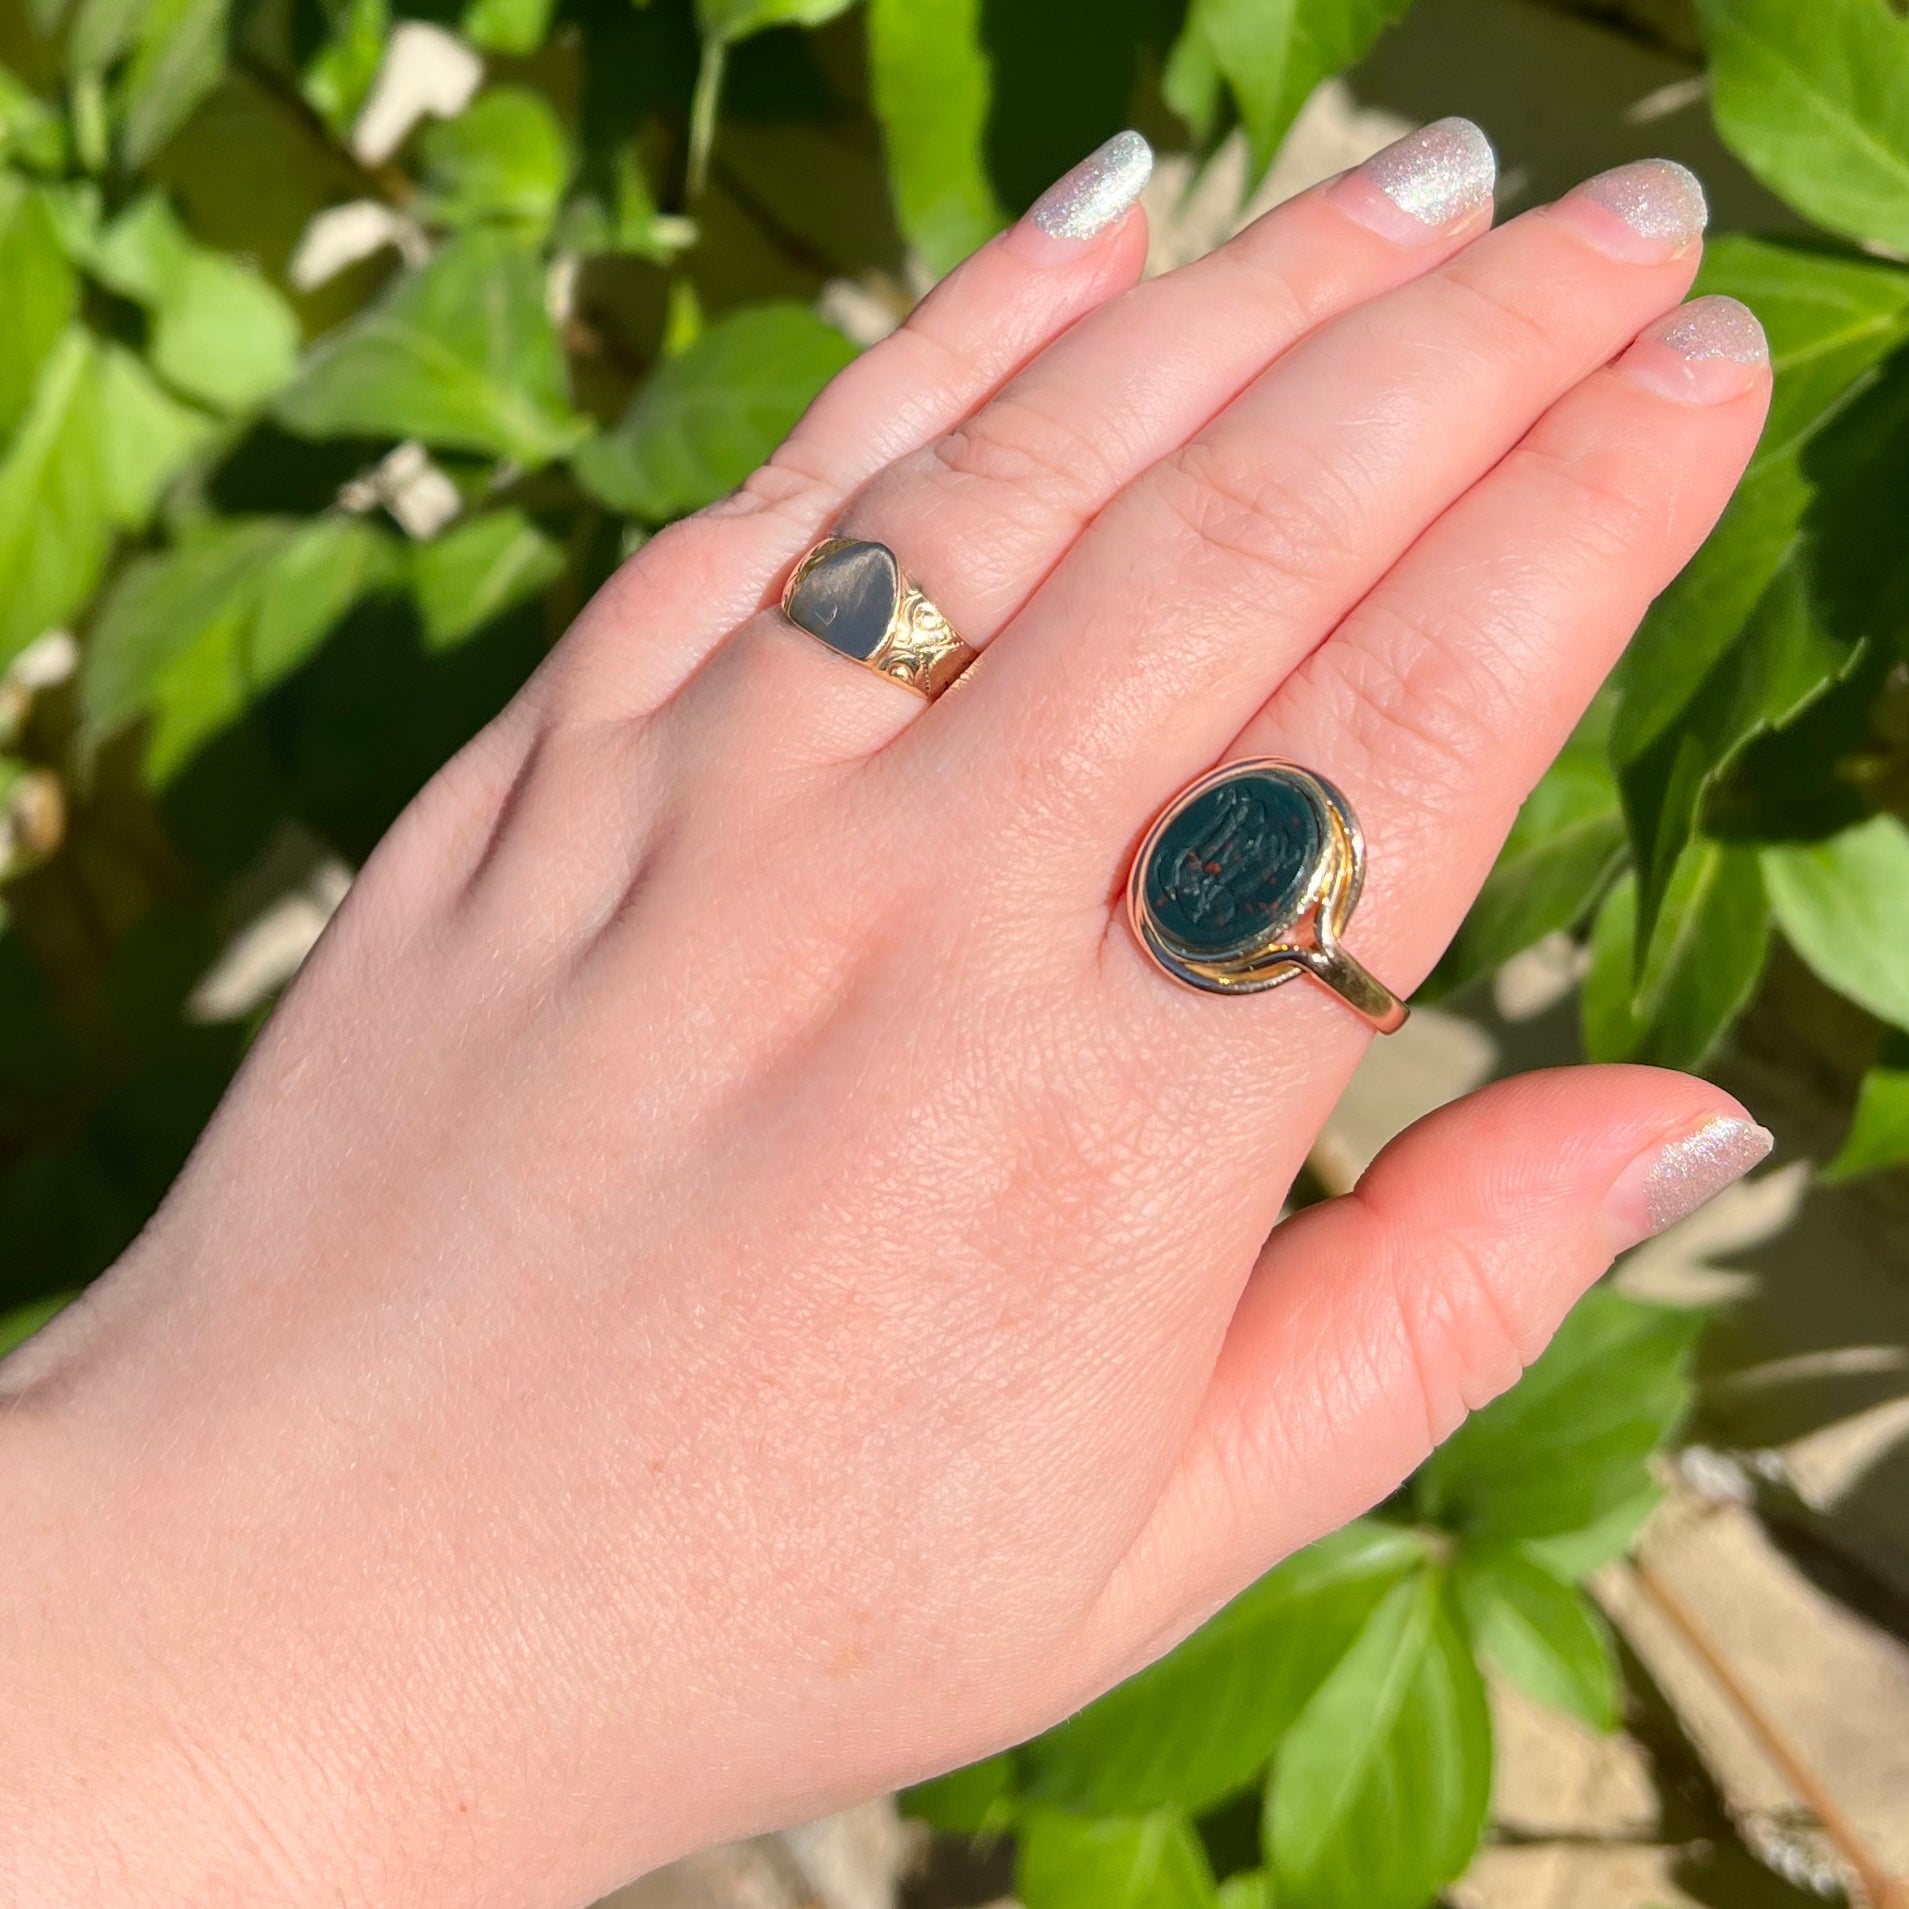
(857,599)
(1248,878)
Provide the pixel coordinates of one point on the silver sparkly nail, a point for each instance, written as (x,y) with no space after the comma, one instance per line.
(1691,1171)
(1656,198)
(1098,190)
(1715,327)
(1438,172)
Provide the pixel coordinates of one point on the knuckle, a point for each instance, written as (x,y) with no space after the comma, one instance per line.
(1415,703)
(786,488)
(1600,510)
(1279,514)
(1016,444)
(1500,325)
(1464,1348)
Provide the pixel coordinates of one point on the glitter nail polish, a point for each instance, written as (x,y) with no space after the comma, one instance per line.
(1640,214)
(1436,174)
(1097,191)
(1672,1180)
(1714,327)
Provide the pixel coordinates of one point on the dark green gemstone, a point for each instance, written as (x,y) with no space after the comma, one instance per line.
(1230,872)
(848,598)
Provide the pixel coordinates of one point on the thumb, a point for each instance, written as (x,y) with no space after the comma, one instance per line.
(1375,1322)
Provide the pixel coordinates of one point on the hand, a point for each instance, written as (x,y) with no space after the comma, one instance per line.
(730,1283)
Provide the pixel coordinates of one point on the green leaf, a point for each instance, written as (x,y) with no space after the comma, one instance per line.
(1569,1443)
(1201,1723)
(1562,851)
(1772,609)
(477,570)
(507,26)
(1879,1134)
(460,354)
(39,293)
(1379,1791)
(503,158)
(20,1324)
(192,637)
(150,435)
(1700,970)
(711,415)
(1272,53)
(220,333)
(1843,905)
(57,512)
(730,20)
(1574,1555)
(101,32)
(932,83)
(1144,1862)
(975,1801)
(179,59)
(1815,101)
(1547,1637)
(338,78)
(31,132)
(1252,1889)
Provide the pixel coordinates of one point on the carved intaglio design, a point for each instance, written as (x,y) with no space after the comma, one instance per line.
(921,645)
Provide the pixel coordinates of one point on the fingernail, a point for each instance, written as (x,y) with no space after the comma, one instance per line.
(1422,183)
(1097,192)
(1671,1181)
(1705,352)
(1642,213)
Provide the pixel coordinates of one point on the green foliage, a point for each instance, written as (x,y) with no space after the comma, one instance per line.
(1345,1687)
(598,309)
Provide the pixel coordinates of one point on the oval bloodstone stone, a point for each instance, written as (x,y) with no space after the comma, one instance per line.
(847,598)
(1230,872)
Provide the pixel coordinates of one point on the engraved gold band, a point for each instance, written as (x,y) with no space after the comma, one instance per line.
(855,597)
(1249,877)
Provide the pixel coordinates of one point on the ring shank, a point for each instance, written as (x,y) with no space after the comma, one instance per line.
(1362,991)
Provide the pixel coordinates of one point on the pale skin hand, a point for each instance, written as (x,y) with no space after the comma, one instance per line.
(729,1284)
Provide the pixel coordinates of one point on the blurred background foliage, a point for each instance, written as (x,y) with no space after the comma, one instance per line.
(346,346)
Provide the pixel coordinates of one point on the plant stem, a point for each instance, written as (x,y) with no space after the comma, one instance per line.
(702,118)
(1880,1890)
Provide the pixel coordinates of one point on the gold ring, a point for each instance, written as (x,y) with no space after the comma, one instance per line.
(1247,878)
(856,598)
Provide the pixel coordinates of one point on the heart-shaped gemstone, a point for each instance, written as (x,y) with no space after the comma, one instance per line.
(848,598)
(1230,872)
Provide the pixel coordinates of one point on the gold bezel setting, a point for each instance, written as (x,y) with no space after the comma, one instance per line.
(919,648)
(1307,939)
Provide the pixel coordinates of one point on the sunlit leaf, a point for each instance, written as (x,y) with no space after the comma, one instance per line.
(1878,1135)
(1201,1723)
(460,354)
(1378,1792)
(338,77)
(1815,101)
(150,436)
(737,19)
(22,1322)
(1272,53)
(975,1801)
(1562,850)
(220,332)
(507,26)
(477,570)
(1568,1444)
(1145,1862)
(57,504)
(39,293)
(503,158)
(1843,905)
(180,57)
(1701,968)
(932,84)
(1543,1634)
(709,416)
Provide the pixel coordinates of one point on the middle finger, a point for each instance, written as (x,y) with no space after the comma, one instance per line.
(1212,576)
